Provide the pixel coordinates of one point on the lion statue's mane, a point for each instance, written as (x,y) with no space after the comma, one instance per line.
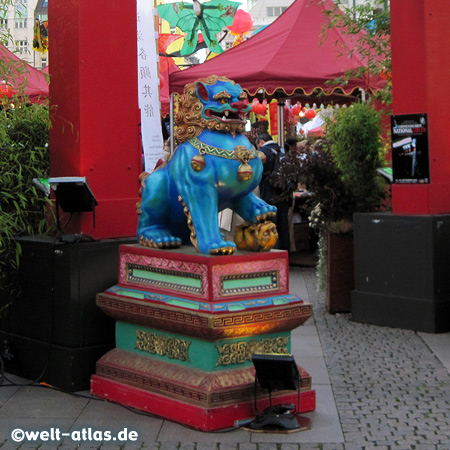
(189,120)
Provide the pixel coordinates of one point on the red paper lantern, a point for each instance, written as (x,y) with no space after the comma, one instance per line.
(6,90)
(255,105)
(242,23)
(259,108)
(297,109)
(262,108)
(310,114)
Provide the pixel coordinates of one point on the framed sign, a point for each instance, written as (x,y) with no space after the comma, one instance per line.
(410,153)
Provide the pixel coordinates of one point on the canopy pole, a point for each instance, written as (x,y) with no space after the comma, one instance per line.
(280,123)
(363,95)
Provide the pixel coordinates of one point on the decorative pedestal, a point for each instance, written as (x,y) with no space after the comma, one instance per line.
(187,325)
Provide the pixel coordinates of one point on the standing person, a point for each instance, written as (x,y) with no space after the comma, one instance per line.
(269,193)
(272,152)
(290,145)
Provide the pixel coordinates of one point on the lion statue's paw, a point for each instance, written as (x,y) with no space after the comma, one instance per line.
(159,239)
(255,210)
(263,217)
(224,248)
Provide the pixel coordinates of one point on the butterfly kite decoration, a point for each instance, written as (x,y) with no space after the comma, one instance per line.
(209,18)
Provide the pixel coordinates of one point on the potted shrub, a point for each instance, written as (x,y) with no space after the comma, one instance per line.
(356,146)
(342,171)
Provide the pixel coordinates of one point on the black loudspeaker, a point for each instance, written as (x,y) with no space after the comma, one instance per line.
(276,371)
(54,328)
(73,194)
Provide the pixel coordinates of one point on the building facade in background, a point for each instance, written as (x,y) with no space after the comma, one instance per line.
(19,20)
(264,12)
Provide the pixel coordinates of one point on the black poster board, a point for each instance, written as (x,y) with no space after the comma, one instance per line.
(410,154)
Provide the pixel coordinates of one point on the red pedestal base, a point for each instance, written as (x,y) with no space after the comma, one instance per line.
(204,419)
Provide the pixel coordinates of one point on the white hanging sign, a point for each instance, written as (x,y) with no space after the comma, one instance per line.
(148,84)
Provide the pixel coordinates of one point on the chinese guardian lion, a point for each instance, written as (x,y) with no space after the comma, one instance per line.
(213,167)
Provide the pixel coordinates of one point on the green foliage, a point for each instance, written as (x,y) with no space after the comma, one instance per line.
(332,198)
(374,44)
(341,170)
(355,135)
(284,178)
(24,139)
(321,268)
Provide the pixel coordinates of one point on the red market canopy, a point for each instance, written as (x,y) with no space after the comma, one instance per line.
(166,67)
(22,75)
(288,55)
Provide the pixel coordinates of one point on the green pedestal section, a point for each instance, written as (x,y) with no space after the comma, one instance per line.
(196,353)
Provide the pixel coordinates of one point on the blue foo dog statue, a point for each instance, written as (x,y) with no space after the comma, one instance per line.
(213,167)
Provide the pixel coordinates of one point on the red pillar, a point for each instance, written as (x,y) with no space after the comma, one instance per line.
(421,84)
(94,108)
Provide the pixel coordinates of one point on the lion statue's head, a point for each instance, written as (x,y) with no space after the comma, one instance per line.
(214,103)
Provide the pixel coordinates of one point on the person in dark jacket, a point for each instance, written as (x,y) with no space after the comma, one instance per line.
(272,151)
(268,193)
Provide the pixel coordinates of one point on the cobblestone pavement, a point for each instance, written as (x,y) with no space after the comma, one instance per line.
(391,391)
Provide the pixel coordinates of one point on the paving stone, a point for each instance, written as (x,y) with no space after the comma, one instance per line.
(132,446)
(425,447)
(271,446)
(310,446)
(91,445)
(168,446)
(290,446)
(49,446)
(191,446)
(10,445)
(287,446)
(151,446)
(202,446)
(228,446)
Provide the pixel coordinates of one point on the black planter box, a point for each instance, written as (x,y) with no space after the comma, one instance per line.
(54,326)
(340,272)
(402,268)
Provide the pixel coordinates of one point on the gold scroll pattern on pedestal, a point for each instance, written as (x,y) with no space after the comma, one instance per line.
(241,352)
(172,348)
